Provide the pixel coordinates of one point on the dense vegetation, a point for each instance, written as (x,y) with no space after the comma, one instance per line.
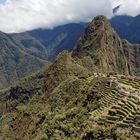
(108,52)
(75,104)
(15,61)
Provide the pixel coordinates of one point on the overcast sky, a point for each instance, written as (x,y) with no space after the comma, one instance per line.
(23,15)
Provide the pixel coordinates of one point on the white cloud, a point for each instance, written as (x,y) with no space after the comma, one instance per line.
(22,15)
(129,7)
(115,3)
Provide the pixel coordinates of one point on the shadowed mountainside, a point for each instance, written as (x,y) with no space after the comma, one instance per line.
(127,27)
(15,61)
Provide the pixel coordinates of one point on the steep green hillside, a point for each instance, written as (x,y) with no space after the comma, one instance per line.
(21,91)
(31,45)
(15,61)
(74,104)
(76,98)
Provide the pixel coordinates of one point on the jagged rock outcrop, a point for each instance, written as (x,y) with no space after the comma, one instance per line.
(104,46)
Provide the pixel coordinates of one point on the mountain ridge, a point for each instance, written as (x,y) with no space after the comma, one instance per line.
(15,61)
(127,27)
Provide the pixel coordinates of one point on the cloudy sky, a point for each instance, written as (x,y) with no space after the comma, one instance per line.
(23,15)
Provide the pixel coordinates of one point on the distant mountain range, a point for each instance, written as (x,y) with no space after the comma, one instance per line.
(48,43)
(16,61)
(24,53)
(52,42)
(127,27)
(60,38)
(39,46)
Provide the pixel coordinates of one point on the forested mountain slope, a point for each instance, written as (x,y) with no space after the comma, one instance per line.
(15,61)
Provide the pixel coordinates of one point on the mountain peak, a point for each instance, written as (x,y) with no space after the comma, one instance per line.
(101,18)
(100,21)
(103,45)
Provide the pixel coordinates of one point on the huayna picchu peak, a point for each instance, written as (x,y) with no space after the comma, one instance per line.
(92,93)
(109,53)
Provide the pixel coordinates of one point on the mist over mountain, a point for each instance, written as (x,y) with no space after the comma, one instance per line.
(30,15)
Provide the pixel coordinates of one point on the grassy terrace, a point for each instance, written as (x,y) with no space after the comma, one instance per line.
(124,114)
(129,83)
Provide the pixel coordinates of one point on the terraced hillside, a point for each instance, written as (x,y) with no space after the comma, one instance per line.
(122,106)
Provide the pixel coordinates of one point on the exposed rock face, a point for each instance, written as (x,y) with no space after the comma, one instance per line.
(104,46)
